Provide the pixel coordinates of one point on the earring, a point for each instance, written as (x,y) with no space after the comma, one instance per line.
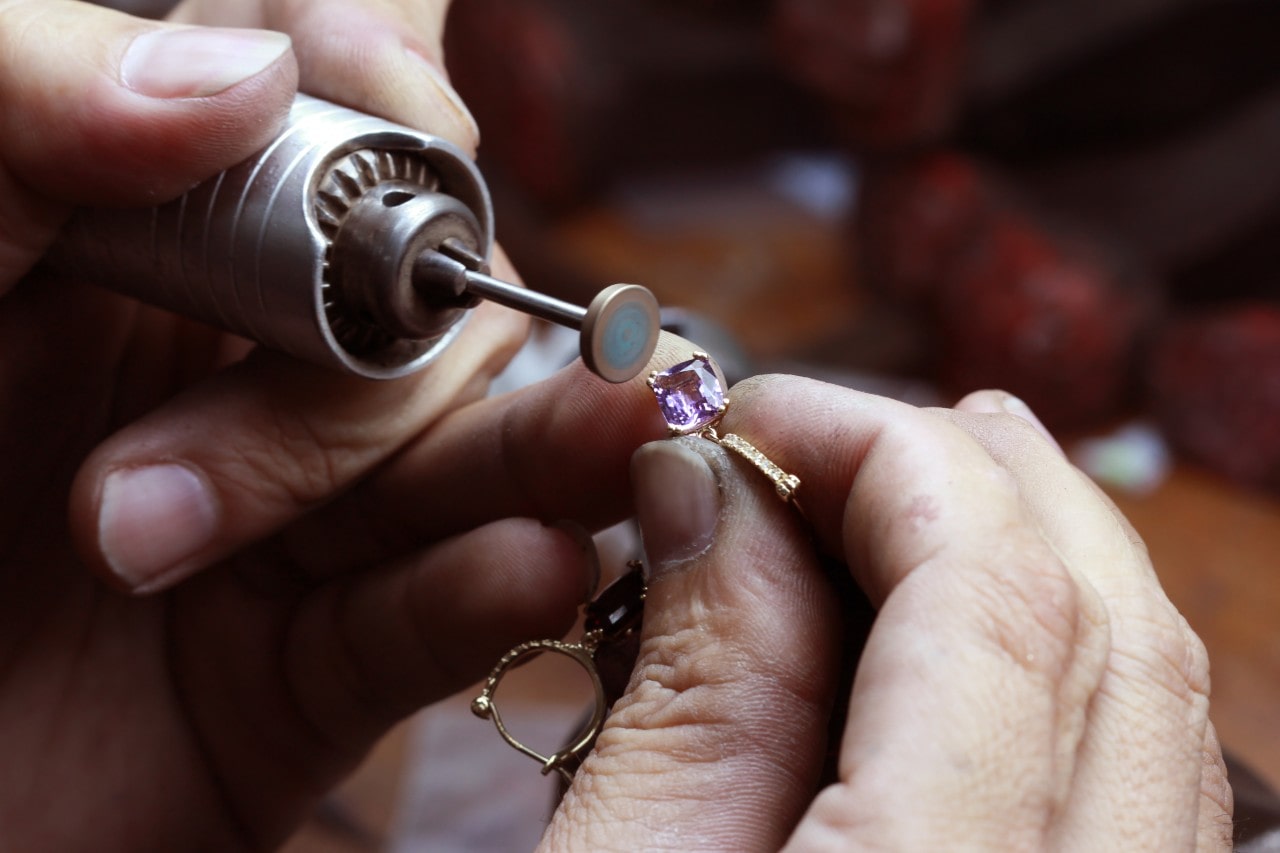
(609,621)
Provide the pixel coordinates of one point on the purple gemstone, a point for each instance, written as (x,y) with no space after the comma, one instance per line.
(689,395)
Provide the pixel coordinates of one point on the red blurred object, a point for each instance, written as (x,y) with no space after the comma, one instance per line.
(889,69)
(1215,385)
(1009,303)
(915,220)
(1055,323)
(573,94)
(521,69)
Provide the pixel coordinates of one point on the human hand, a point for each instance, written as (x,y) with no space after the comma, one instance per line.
(211,716)
(1026,683)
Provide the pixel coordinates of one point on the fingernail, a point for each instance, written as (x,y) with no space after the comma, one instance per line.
(587,545)
(151,520)
(1015,406)
(464,131)
(677,502)
(196,62)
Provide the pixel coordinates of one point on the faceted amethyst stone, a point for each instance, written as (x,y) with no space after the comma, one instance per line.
(689,395)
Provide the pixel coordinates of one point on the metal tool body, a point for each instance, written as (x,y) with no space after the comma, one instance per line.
(348,241)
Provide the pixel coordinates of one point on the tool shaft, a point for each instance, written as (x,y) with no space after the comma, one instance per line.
(521,299)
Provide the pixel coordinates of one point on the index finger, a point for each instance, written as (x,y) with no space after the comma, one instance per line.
(560,449)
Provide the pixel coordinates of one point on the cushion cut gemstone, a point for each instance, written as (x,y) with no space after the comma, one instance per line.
(689,395)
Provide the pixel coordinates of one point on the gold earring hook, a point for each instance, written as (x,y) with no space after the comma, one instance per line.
(566,759)
(615,615)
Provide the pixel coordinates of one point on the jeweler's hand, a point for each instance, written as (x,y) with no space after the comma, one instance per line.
(211,716)
(1026,684)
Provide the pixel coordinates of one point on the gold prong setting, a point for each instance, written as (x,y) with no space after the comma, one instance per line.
(693,402)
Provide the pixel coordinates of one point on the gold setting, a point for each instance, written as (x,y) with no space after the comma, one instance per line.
(786,485)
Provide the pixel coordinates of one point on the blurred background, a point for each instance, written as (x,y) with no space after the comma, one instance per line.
(1075,200)
(1078,202)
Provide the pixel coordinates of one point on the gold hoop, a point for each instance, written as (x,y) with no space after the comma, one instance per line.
(609,620)
(582,653)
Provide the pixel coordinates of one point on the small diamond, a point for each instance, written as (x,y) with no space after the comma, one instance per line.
(689,395)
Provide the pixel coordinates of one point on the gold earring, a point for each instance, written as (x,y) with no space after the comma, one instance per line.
(611,618)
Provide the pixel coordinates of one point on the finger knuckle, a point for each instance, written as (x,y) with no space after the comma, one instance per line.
(1014,435)
(1033,611)
(675,684)
(837,818)
(1217,802)
(851,816)
(694,701)
(289,459)
(314,459)
(1157,644)
(1196,661)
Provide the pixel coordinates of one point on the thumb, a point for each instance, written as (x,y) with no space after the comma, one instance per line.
(718,740)
(98,107)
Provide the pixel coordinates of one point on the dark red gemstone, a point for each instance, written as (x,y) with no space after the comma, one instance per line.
(619,608)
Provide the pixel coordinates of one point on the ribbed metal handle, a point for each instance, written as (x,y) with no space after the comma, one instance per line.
(249,250)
